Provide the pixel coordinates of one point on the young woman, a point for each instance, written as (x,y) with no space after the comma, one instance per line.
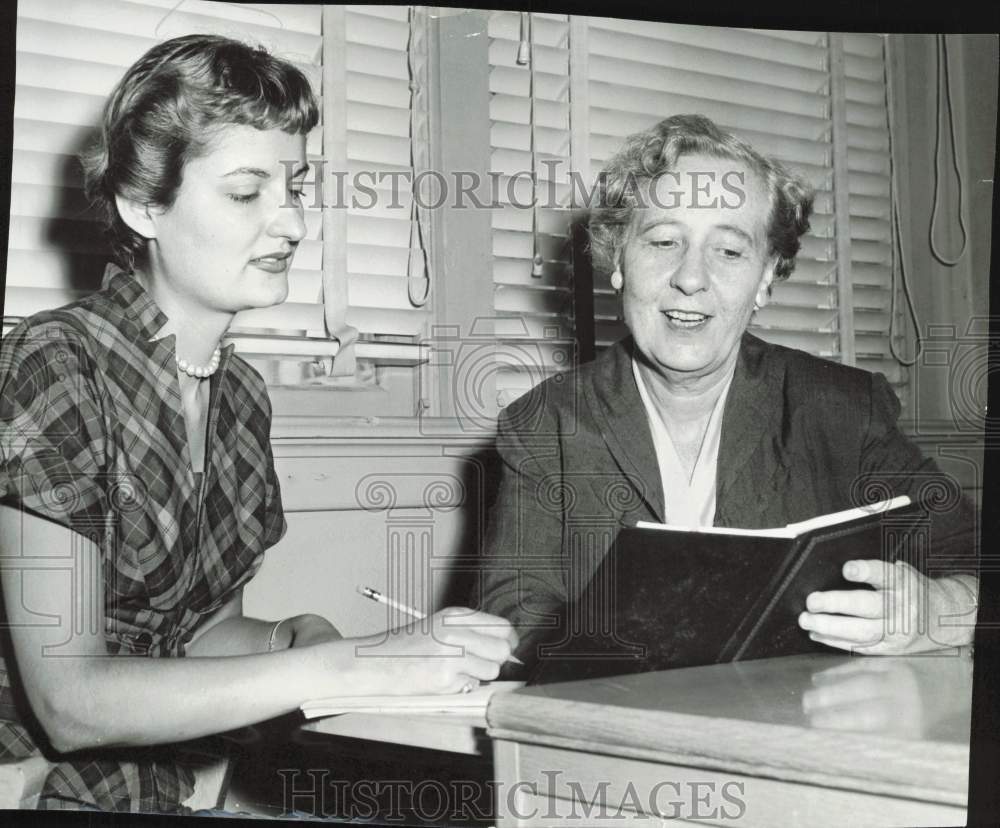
(135,465)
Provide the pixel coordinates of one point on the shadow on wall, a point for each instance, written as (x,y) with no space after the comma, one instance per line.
(72,227)
(480,478)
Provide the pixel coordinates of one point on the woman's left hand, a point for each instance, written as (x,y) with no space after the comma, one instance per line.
(310,629)
(907,612)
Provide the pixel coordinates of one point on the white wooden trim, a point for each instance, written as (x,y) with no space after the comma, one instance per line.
(841,196)
(335,295)
(314,430)
(579,98)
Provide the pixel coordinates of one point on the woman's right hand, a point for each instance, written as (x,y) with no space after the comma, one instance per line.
(452,649)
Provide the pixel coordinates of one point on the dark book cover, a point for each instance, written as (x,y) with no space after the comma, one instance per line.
(666,599)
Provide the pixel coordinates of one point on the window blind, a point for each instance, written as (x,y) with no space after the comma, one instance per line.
(378,146)
(869,199)
(534,326)
(768,88)
(772,88)
(69,56)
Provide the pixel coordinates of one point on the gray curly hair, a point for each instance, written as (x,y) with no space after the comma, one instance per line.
(646,155)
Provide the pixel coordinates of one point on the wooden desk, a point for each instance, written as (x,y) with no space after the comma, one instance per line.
(804,740)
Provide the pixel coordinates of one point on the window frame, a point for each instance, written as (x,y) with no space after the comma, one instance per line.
(429,389)
(459,42)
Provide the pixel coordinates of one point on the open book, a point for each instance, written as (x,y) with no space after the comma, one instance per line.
(458,703)
(670,596)
(792,530)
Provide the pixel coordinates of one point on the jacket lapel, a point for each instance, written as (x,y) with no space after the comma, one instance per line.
(749,450)
(751,430)
(614,402)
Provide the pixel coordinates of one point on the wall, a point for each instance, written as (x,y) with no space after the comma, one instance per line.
(948,381)
(381,502)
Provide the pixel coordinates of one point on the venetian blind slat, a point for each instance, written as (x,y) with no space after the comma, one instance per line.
(758,44)
(540,343)
(869,168)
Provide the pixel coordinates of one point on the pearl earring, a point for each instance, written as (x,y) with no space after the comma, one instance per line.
(617,279)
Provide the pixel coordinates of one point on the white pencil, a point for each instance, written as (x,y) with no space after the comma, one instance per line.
(375,595)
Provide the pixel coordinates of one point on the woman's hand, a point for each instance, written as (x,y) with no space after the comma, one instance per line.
(907,612)
(450,651)
(305,630)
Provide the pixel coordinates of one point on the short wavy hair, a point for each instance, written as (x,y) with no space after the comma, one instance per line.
(646,155)
(167,109)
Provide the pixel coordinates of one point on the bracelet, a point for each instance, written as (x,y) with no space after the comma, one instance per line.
(274,633)
(970,648)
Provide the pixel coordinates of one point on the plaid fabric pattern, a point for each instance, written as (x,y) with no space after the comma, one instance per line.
(92,436)
(142,785)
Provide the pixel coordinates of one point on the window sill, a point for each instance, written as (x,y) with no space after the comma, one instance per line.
(326,429)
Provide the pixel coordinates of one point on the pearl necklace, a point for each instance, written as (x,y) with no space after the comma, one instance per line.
(201,371)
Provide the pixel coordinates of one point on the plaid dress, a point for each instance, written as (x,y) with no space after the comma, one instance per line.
(92,436)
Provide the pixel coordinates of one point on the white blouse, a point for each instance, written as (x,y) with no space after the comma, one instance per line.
(686,501)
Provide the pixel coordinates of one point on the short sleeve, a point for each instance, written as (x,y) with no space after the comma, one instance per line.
(52,436)
(275,524)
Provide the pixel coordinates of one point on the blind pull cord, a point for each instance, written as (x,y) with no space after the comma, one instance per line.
(944,83)
(526,54)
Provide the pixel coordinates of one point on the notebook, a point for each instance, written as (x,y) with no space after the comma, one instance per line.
(457,703)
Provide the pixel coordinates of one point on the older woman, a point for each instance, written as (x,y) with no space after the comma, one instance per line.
(139,488)
(691,420)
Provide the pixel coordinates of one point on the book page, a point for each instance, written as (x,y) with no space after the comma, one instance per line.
(459,703)
(848,514)
(792,530)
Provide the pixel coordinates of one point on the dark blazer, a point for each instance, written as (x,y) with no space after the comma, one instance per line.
(801,436)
